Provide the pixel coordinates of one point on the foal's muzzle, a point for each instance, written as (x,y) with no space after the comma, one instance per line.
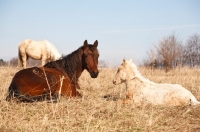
(94,74)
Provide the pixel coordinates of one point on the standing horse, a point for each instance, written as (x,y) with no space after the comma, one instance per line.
(37,83)
(38,50)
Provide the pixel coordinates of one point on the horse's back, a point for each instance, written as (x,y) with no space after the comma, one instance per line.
(28,42)
(33,49)
(25,42)
(167,94)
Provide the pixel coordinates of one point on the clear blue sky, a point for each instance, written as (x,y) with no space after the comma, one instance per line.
(124,28)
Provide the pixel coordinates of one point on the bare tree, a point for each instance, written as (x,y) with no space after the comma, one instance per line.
(152,58)
(102,64)
(14,61)
(192,51)
(3,63)
(169,51)
(30,62)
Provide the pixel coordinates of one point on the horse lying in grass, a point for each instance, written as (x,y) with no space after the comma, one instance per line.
(38,50)
(143,91)
(55,78)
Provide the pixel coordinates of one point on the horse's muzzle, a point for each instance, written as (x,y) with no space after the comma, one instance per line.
(94,74)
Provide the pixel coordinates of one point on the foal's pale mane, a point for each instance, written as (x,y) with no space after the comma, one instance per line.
(137,73)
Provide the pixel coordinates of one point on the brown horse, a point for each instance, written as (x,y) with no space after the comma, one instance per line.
(39,83)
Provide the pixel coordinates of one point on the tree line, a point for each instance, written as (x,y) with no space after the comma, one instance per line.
(14,62)
(170,52)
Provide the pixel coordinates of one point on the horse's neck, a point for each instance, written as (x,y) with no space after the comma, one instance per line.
(128,85)
(73,66)
(134,84)
(129,82)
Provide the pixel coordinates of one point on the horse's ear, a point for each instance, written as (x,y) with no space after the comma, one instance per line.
(85,44)
(124,61)
(95,43)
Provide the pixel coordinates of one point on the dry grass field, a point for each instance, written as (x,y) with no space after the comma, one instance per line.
(92,113)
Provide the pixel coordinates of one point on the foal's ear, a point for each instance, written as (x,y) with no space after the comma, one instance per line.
(95,43)
(124,61)
(85,43)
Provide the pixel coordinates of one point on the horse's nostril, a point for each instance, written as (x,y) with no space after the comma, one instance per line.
(94,74)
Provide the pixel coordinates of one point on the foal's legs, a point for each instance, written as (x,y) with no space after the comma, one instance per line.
(128,99)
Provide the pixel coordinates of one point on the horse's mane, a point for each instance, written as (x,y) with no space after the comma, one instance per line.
(72,61)
(138,74)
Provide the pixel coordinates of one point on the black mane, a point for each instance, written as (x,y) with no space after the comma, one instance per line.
(67,63)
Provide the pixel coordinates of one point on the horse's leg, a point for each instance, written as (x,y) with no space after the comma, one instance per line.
(128,99)
(74,91)
(24,59)
(78,94)
(43,61)
(68,89)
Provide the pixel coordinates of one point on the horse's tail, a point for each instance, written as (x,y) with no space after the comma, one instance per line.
(12,92)
(19,59)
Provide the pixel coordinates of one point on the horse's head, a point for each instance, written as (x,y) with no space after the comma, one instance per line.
(90,58)
(124,72)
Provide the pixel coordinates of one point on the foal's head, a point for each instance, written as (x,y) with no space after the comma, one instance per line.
(124,72)
(90,58)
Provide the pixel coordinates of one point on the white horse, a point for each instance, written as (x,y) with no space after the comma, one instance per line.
(38,50)
(140,90)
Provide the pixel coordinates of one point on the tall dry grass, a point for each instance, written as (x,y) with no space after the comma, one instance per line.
(94,113)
